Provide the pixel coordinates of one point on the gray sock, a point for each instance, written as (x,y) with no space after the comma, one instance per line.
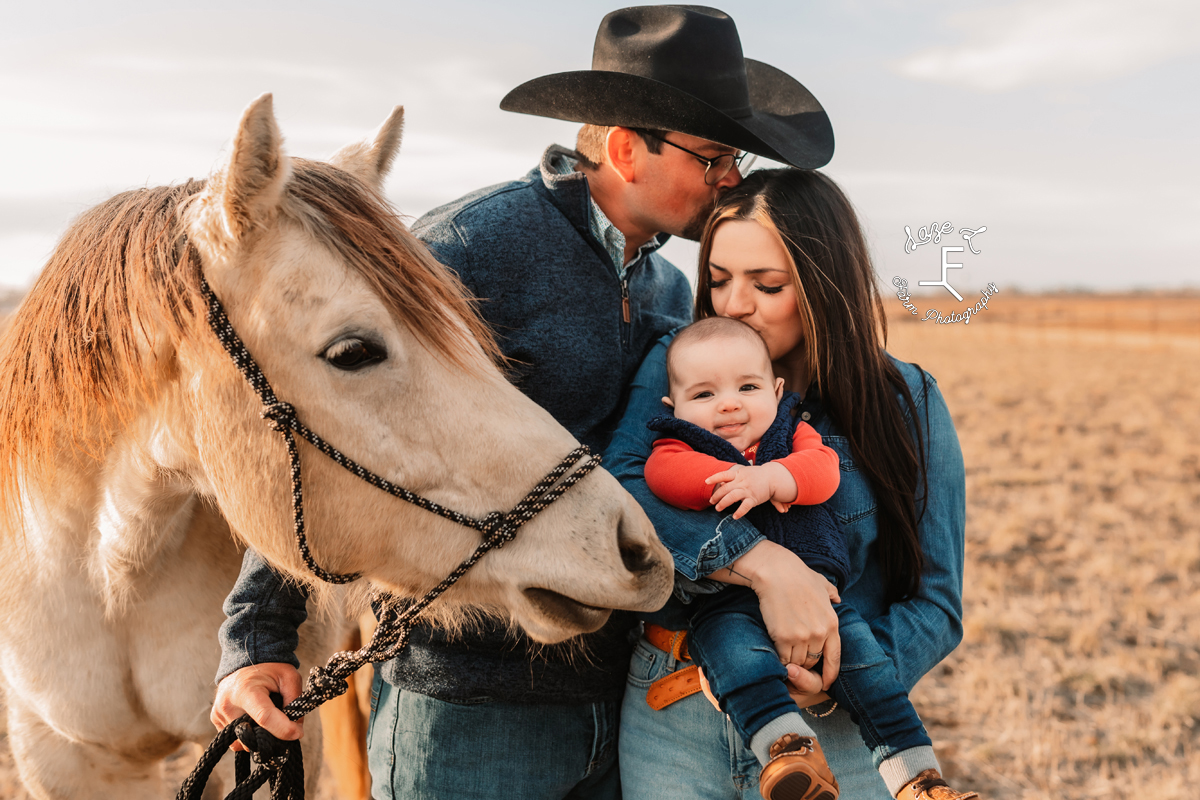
(900,770)
(790,722)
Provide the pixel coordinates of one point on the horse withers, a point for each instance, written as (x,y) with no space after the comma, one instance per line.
(134,465)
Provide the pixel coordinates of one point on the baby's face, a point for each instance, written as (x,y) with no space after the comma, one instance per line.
(725,386)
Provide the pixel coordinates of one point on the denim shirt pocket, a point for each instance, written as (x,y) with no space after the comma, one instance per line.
(853,499)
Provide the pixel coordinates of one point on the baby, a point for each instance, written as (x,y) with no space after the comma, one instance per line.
(733,442)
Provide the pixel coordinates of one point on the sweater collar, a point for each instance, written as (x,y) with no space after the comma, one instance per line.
(570,193)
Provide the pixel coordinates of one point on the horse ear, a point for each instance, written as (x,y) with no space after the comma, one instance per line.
(248,191)
(370,161)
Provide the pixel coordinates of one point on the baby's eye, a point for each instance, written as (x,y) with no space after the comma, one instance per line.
(749,387)
(769,289)
(702,395)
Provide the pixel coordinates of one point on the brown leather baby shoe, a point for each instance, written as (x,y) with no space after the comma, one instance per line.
(797,771)
(929,786)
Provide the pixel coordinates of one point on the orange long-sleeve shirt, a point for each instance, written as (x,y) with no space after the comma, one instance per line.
(676,473)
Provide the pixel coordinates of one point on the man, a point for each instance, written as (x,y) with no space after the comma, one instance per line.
(565,261)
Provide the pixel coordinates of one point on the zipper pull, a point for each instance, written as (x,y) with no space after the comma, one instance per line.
(625,300)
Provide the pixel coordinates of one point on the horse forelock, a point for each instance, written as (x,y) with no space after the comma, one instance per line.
(358,224)
(77,362)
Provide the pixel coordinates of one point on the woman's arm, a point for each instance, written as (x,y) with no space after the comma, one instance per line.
(797,608)
(919,632)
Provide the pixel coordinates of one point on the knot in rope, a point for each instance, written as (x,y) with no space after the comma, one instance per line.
(325,684)
(279,415)
(497,529)
(260,741)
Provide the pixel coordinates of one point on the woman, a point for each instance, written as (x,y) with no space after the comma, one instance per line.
(783,252)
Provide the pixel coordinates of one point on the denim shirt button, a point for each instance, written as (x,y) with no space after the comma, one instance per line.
(805,416)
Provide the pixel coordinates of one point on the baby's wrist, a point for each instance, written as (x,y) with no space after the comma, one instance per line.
(783,484)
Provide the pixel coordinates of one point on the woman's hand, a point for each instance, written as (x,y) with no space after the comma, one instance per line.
(796,604)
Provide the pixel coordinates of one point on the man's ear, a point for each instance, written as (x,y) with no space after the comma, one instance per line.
(778,389)
(669,403)
(620,148)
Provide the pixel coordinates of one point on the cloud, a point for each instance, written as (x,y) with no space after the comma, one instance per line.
(218,66)
(1058,42)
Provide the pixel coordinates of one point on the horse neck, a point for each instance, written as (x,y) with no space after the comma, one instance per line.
(119,514)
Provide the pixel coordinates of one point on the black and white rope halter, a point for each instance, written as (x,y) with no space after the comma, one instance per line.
(279,762)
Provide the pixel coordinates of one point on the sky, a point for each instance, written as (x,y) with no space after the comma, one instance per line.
(1067,128)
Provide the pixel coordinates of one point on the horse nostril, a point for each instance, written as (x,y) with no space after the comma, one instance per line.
(636,556)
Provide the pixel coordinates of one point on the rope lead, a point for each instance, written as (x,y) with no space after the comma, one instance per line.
(280,762)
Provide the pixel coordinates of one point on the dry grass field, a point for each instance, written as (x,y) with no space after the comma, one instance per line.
(1079,675)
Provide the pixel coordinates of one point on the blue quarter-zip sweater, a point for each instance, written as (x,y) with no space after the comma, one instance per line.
(551,292)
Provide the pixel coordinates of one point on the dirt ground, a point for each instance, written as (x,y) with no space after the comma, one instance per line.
(1079,673)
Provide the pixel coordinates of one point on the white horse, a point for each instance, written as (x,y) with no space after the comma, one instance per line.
(134,465)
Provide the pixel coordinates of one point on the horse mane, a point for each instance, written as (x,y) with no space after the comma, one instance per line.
(76,360)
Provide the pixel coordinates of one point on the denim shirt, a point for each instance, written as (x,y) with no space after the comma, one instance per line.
(916,633)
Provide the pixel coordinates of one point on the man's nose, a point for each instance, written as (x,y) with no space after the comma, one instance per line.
(732,179)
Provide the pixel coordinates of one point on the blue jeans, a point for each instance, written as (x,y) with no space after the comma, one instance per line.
(421,748)
(729,641)
(690,751)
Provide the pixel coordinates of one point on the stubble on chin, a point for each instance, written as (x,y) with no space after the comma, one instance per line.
(694,229)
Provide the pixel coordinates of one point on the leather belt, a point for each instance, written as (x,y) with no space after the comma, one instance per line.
(679,684)
(673,642)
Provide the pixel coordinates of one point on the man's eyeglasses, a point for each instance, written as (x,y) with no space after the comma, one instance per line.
(714,168)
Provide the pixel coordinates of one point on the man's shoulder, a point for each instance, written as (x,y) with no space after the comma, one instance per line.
(480,206)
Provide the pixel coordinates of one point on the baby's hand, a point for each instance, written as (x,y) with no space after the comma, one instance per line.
(752,486)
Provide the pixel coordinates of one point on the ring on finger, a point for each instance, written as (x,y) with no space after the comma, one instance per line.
(814,656)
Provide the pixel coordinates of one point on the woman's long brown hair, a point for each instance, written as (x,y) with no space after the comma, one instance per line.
(844,336)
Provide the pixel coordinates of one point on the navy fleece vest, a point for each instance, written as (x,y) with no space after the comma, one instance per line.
(810,532)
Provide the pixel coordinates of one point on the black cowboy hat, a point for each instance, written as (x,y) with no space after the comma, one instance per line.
(680,68)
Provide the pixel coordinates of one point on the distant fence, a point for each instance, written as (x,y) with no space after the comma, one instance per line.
(1153,315)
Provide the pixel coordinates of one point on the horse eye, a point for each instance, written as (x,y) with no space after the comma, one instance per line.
(353,354)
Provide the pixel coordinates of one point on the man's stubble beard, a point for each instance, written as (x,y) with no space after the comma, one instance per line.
(694,228)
